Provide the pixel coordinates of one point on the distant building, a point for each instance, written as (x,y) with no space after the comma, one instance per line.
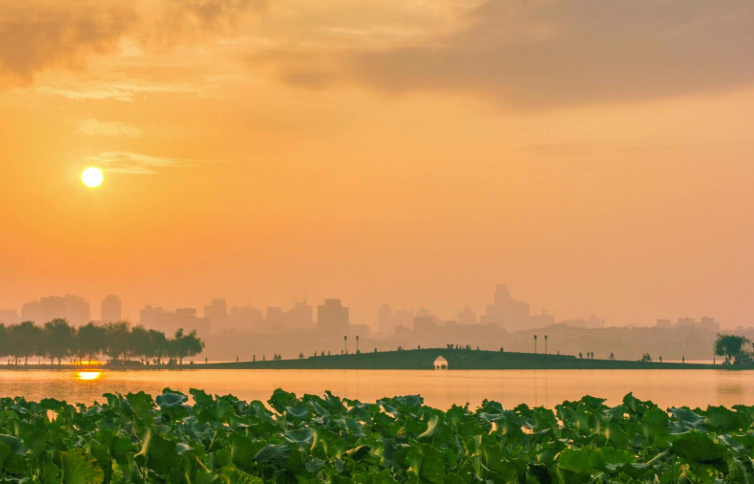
(541,320)
(217,314)
(687,323)
(664,324)
(244,318)
(9,316)
(170,322)
(425,324)
(425,321)
(403,318)
(273,320)
(385,320)
(332,317)
(467,316)
(592,322)
(709,324)
(71,308)
(360,330)
(300,316)
(111,309)
(506,312)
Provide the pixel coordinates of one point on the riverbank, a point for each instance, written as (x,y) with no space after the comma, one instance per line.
(416,359)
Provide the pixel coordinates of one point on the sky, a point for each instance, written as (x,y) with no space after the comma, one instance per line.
(595,156)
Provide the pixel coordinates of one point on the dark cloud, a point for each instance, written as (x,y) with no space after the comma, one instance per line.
(33,39)
(36,35)
(546,53)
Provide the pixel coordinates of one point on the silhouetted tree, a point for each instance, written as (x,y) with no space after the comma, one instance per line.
(732,347)
(59,338)
(139,343)
(90,340)
(117,340)
(25,341)
(158,346)
(4,334)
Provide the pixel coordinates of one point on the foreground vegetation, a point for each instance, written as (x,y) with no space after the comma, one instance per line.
(135,439)
(59,340)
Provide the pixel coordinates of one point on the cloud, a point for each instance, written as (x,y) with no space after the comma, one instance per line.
(100,89)
(549,53)
(135,163)
(39,35)
(115,129)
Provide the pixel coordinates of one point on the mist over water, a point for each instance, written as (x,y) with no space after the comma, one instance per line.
(440,389)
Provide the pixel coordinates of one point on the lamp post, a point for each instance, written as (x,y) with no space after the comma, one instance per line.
(345,345)
(357,344)
(545,344)
(535,344)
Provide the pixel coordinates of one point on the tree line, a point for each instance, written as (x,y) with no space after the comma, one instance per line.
(120,342)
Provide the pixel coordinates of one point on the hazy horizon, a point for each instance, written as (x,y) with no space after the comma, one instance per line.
(593,155)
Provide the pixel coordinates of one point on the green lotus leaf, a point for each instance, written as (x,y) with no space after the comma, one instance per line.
(170,399)
(80,468)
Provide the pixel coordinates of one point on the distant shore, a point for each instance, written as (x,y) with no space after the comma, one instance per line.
(416,359)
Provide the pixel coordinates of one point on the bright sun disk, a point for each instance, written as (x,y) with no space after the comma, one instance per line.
(92,177)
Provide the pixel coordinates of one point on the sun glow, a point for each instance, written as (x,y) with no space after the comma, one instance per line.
(88,375)
(92,177)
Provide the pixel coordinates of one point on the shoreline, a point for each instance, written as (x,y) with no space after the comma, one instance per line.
(417,359)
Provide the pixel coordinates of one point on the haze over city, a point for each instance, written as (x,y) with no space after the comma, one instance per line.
(376,241)
(268,152)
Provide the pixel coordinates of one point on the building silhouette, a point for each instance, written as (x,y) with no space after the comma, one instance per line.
(332,317)
(592,322)
(541,320)
(300,316)
(71,308)
(171,321)
(467,316)
(403,318)
(217,314)
(111,311)
(506,312)
(244,318)
(385,320)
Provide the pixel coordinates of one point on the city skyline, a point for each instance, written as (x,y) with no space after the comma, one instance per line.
(595,153)
(505,312)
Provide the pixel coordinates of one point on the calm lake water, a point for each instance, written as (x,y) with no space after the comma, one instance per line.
(440,389)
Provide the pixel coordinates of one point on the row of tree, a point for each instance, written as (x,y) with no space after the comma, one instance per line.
(59,340)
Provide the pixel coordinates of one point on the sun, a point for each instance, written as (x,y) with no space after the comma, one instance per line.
(92,177)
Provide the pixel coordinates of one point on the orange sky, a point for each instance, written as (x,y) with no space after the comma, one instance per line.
(595,156)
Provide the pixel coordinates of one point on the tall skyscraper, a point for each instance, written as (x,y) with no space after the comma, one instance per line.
(71,308)
(217,314)
(111,309)
(332,317)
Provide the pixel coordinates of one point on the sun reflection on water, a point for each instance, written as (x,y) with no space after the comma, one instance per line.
(88,375)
